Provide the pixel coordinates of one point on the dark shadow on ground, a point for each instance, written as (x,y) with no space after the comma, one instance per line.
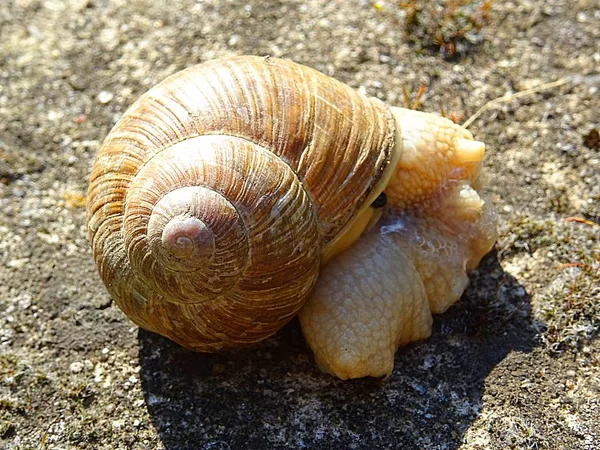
(273,396)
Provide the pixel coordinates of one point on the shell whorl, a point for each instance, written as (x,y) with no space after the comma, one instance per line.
(232,191)
(211,200)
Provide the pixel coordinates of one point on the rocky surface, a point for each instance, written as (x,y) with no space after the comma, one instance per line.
(515,364)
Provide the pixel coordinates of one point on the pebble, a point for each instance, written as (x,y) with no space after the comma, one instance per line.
(102,302)
(76,367)
(233,40)
(419,388)
(104,97)
(18,263)
(24,301)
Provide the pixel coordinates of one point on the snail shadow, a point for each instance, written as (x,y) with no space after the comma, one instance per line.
(272,396)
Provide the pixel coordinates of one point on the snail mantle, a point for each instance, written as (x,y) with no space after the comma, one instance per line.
(240,192)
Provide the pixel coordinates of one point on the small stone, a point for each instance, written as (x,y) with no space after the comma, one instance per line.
(104,97)
(233,40)
(154,400)
(80,118)
(24,301)
(18,263)
(419,388)
(76,367)
(54,115)
(102,302)
(520,291)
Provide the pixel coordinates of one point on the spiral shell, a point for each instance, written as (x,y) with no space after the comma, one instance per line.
(213,199)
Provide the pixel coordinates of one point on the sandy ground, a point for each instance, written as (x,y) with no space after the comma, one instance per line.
(513,365)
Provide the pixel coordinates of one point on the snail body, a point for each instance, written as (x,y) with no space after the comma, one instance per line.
(220,195)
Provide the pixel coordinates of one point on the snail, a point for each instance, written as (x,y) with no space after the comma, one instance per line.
(243,191)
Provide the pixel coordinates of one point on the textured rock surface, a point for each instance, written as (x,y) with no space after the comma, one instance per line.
(511,365)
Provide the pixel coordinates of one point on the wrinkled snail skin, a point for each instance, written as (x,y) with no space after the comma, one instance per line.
(381,293)
(240,192)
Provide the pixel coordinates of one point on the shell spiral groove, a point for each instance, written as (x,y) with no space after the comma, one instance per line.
(213,198)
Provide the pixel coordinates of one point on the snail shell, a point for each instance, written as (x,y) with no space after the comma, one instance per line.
(215,198)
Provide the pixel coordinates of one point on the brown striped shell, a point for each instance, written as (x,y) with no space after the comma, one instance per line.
(212,200)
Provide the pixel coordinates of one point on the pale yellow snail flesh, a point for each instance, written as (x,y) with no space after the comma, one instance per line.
(380,293)
(238,193)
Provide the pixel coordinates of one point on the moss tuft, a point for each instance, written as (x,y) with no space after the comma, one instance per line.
(450,27)
(567,303)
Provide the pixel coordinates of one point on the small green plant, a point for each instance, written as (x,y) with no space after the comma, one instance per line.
(575,318)
(448,26)
(566,303)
